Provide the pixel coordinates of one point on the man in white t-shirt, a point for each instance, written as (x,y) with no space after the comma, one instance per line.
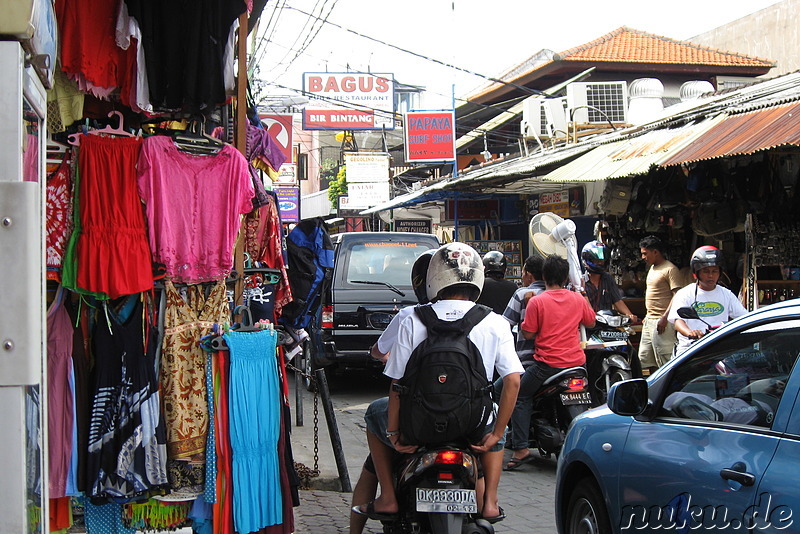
(713,303)
(455,277)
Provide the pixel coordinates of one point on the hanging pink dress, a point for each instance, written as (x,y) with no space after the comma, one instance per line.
(193,206)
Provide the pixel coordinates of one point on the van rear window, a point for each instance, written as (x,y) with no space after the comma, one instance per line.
(383,262)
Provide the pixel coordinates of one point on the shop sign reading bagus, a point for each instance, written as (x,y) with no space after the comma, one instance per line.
(348,101)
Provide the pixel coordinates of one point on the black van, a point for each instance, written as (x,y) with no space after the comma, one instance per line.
(371,282)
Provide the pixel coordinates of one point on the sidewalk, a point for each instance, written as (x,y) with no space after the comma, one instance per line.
(526,495)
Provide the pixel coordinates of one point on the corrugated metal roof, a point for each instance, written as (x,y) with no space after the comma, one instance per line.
(743,134)
(629,157)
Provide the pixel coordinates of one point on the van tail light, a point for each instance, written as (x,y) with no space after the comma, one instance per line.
(327,316)
(576,384)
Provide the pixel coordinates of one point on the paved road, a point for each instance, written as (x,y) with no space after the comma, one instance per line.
(525,494)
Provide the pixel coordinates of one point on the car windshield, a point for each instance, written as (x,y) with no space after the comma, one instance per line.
(388,262)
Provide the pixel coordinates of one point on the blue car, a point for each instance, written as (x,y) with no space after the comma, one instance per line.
(711,442)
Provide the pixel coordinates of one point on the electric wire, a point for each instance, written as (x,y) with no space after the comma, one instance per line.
(422,56)
(269,31)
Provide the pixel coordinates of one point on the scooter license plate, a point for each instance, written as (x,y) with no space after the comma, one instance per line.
(576,397)
(450,500)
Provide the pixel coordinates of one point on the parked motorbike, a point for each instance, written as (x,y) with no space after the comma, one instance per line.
(610,357)
(435,489)
(561,399)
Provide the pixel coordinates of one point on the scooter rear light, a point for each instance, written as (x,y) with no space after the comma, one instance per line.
(576,384)
(327,316)
(450,457)
(445,476)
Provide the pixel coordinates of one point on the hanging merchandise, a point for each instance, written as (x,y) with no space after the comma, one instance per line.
(58,215)
(127,449)
(193,203)
(254,412)
(108,254)
(183,383)
(182,76)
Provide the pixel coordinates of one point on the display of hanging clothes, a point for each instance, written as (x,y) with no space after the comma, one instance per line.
(60,421)
(58,215)
(193,205)
(183,382)
(127,441)
(109,246)
(266,245)
(254,404)
(261,145)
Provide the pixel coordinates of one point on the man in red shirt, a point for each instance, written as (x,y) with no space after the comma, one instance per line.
(552,318)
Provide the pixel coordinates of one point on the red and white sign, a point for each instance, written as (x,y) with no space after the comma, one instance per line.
(280,129)
(430,136)
(348,101)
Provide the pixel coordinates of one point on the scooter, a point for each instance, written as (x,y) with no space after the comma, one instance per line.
(561,399)
(436,493)
(609,354)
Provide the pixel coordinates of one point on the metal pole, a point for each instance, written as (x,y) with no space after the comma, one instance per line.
(333,430)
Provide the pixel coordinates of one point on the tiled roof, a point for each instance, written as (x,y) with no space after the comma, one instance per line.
(634,46)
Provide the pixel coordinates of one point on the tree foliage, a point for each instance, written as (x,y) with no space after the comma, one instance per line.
(338,187)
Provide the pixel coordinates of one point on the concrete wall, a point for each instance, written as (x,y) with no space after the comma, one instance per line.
(772,34)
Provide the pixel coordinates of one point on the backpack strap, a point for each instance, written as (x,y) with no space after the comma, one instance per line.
(475,315)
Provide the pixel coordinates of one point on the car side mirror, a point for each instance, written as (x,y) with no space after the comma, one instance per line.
(688,313)
(628,397)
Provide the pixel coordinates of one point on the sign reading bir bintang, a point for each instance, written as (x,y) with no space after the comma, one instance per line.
(348,101)
(430,136)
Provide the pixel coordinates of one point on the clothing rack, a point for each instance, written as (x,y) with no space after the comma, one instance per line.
(217,342)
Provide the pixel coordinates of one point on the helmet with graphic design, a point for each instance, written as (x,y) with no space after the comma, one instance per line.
(494,263)
(419,275)
(455,264)
(706,256)
(594,256)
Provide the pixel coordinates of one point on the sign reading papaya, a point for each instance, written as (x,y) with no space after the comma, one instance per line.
(348,101)
(430,136)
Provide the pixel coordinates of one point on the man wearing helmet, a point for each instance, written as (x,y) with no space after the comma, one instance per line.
(713,303)
(663,281)
(455,278)
(600,287)
(497,291)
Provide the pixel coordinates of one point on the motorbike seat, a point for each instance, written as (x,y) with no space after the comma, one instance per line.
(561,375)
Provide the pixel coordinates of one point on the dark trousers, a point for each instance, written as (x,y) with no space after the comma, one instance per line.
(532,379)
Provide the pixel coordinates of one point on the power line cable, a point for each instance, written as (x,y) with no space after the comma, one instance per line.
(422,56)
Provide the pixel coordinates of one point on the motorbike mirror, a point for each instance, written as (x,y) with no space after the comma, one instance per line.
(688,313)
(628,397)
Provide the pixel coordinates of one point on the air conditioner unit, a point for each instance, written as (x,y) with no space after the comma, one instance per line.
(598,102)
(544,117)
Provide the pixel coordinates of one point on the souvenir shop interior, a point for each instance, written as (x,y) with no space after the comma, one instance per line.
(166,388)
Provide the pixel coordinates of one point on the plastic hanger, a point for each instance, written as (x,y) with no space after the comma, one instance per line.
(75,140)
(195,141)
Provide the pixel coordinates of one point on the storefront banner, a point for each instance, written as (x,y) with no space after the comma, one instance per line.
(367,168)
(288,203)
(430,136)
(420,226)
(348,101)
(280,129)
(366,195)
(563,203)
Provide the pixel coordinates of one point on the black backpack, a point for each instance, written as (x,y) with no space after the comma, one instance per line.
(444,393)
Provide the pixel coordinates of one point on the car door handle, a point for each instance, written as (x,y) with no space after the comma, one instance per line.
(737,473)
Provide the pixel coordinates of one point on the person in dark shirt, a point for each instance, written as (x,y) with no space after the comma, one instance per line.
(601,289)
(497,291)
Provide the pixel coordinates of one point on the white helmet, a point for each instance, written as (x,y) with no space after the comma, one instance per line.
(453,264)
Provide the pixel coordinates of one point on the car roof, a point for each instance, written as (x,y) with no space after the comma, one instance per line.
(382,236)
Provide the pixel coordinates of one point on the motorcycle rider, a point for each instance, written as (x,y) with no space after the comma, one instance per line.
(714,304)
(455,277)
(601,289)
(367,485)
(552,319)
(497,291)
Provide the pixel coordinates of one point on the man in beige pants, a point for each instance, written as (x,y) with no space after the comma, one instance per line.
(663,281)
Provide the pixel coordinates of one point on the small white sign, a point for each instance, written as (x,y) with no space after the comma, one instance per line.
(367,168)
(287,174)
(366,195)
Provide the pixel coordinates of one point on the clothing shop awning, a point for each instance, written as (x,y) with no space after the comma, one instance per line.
(744,134)
(632,156)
